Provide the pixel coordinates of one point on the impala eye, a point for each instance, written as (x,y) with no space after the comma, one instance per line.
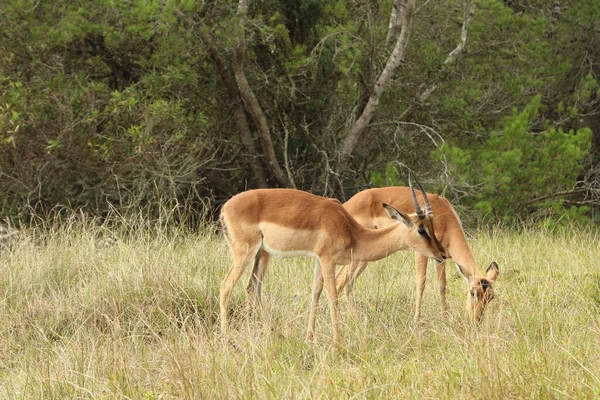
(423,232)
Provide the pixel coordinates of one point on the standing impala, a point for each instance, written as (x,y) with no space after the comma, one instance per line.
(288,222)
(445,227)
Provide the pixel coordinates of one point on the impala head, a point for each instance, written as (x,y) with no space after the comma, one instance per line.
(421,237)
(481,291)
(423,222)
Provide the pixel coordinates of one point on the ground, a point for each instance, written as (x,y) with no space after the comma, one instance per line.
(111,311)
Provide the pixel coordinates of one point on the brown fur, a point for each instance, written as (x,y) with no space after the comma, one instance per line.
(448,229)
(291,222)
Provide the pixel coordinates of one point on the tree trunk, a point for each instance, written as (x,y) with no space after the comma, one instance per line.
(383,81)
(239,116)
(395,25)
(251,102)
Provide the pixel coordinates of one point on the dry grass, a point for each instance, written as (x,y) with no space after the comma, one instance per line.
(90,311)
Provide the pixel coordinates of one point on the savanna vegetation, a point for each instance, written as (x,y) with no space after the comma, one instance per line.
(137,104)
(125,124)
(122,311)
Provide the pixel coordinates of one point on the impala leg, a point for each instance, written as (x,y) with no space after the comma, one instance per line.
(440,272)
(317,289)
(421,275)
(347,275)
(354,271)
(242,256)
(341,278)
(328,271)
(255,283)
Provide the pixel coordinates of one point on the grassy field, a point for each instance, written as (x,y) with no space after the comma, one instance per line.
(96,312)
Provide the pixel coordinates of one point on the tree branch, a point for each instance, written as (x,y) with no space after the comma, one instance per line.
(424,128)
(286,160)
(469,12)
(394,26)
(239,115)
(251,102)
(553,195)
(383,81)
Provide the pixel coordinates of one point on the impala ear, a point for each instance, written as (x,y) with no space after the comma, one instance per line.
(398,215)
(492,272)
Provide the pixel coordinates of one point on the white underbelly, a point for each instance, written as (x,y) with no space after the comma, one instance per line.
(282,241)
(288,253)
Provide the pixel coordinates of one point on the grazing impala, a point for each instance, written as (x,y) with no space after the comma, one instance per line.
(288,222)
(444,227)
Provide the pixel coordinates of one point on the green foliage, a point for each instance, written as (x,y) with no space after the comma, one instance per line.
(122,102)
(389,177)
(514,169)
(105,109)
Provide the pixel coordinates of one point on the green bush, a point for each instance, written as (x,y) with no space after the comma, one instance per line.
(516,172)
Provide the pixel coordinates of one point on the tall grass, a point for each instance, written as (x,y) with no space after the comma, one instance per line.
(129,311)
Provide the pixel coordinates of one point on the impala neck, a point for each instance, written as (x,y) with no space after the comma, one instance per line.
(458,248)
(375,244)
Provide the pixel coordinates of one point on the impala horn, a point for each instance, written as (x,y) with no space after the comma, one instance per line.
(420,213)
(428,210)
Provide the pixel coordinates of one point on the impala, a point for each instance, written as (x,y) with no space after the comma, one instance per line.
(288,222)
(445,227)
